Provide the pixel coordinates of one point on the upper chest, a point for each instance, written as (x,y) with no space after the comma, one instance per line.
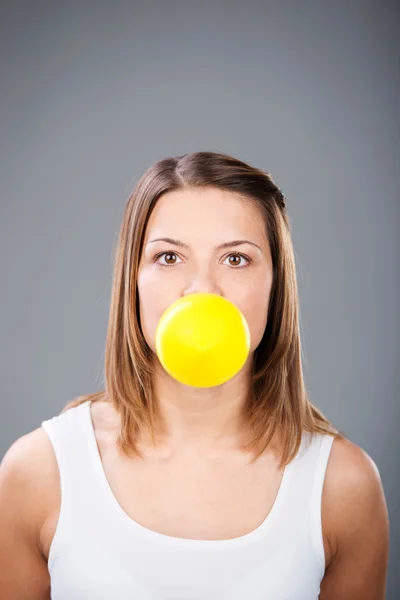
(190,495)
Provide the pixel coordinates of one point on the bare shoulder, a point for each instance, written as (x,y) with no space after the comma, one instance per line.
(28,482)
(356,522)
(29,470)
(350,468)
(352,485)
(30,457)
(29,449)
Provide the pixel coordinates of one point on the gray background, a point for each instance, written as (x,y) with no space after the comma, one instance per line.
(93,94)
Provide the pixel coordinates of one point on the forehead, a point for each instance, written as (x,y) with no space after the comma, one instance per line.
(186,210)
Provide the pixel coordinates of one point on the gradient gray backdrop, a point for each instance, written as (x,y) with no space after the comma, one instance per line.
(94,93)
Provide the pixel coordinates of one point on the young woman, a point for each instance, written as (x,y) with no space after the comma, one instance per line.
(152,489)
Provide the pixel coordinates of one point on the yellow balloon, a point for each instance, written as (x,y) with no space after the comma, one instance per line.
(202,340)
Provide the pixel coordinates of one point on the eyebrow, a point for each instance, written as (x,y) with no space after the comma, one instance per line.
(224,245)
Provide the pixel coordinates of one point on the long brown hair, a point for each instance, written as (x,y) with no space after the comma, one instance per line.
(278,400)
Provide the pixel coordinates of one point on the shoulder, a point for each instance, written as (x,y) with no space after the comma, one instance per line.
(29,457)
(29,470)
(350,466)
(351,471)
(352,494)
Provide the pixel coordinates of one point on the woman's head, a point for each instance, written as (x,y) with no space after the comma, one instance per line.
(205,239)
(205,200)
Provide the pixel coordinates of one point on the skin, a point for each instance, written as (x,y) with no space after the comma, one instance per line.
(197,424)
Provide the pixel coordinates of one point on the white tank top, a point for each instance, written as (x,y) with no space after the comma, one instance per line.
(98,552)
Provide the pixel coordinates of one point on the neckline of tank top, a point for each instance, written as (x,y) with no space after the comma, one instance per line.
(157,537)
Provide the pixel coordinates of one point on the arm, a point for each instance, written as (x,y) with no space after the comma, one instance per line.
(356,514)
(23,568)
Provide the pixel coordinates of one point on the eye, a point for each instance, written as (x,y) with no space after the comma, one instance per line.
(167,255)
(237,255)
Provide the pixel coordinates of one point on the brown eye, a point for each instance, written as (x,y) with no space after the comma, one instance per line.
(235,260)
(169,259)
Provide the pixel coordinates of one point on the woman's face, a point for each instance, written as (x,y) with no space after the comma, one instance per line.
(203,224)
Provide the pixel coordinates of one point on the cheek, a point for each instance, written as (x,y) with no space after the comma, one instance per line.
(255,310)
(146,310)
(153,301)
(148,300)
(257,321)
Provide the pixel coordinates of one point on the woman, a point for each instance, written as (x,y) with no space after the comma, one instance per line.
(153,489)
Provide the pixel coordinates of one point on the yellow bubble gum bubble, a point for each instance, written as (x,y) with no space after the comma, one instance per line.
(202,340)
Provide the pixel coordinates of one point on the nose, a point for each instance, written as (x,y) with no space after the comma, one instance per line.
(202,283)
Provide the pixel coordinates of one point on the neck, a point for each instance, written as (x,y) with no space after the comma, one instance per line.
(200,418)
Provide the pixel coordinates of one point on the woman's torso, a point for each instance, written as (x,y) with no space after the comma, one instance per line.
(191,496)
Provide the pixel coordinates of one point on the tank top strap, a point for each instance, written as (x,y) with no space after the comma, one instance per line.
(322,448)
(69,434)
(307,481)
(322,445)
(310,464)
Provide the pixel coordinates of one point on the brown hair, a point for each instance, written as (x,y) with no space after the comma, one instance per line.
(278,400)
